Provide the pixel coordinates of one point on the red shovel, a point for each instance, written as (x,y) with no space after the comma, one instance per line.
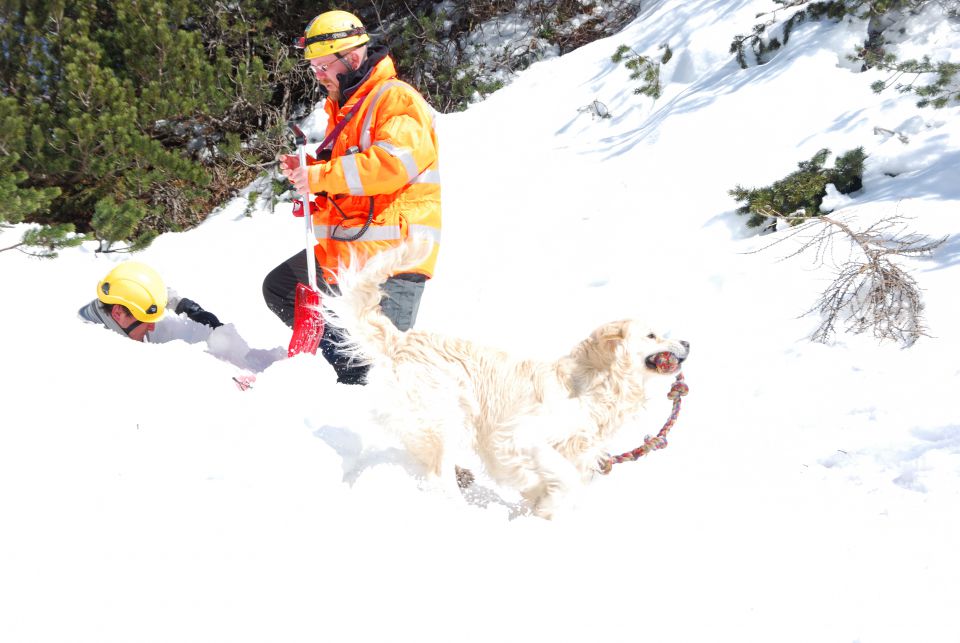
(307,320)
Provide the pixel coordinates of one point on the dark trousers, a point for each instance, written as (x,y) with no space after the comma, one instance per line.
(400,303)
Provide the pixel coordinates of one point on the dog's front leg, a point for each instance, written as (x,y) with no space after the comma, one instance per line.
(549,477)
(559,480)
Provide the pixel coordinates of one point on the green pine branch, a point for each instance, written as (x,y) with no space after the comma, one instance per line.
(644,68)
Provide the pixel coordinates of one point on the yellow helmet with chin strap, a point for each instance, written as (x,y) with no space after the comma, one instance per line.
(332,32)
(136,286)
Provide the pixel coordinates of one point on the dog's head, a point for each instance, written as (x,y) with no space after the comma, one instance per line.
(632,346)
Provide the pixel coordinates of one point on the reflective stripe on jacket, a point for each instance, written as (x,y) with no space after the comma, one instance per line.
(384,169)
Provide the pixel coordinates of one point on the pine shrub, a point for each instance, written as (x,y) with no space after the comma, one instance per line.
(122,109)
(801,193)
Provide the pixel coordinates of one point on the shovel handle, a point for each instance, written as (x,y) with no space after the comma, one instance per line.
(311,240)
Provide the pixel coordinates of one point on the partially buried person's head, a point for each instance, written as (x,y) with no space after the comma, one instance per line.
(134,296)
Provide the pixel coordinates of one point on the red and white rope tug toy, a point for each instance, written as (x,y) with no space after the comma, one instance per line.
(665,363)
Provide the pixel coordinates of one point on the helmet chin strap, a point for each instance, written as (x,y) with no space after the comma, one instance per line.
(132,327)
(126,329)
(346,64)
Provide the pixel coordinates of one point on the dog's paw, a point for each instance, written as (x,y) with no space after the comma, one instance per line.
(543,512)
(465,477)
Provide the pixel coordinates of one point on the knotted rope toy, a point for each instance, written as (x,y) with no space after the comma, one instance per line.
(665,363)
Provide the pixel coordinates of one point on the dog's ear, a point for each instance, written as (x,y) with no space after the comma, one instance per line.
(604,346)
(611,336)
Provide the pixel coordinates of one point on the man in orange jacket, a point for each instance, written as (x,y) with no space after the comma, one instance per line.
(374,185)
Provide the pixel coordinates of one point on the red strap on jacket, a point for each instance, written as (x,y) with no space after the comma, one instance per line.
(298,208)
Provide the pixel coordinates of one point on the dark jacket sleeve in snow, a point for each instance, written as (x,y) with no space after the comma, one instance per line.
(193,311)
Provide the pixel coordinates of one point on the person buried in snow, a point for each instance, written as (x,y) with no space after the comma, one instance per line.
(132,300)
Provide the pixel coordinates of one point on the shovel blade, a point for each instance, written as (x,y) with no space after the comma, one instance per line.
(307,322)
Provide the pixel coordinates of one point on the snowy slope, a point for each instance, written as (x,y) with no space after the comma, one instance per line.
(809,493)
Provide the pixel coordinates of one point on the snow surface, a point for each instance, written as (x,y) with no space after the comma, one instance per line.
(810,492)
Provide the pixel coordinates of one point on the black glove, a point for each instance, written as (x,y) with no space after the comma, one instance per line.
(197,314)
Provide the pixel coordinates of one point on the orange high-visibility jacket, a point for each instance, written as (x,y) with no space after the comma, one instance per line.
(384,170)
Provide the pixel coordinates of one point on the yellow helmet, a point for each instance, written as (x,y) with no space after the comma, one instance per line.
(136,286)
(332,32)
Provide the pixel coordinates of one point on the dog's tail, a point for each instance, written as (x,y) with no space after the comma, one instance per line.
(368,332)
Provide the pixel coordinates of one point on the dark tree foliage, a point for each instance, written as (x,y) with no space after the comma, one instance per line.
(434,43)
(123,119)
(133,117)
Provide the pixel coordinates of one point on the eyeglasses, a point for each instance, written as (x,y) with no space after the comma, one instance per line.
(324,67)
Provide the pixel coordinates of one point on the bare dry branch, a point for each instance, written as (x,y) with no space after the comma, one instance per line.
(870,291)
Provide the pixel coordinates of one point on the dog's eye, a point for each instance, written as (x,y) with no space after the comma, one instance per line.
(652,336)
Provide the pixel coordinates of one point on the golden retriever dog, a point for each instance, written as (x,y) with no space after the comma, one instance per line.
(537,426)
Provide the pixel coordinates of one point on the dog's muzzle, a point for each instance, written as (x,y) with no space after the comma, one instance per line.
(667,362)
